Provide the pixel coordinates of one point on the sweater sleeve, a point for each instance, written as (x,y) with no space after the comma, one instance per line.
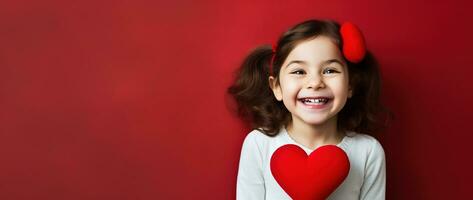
(250,182)
(374,184)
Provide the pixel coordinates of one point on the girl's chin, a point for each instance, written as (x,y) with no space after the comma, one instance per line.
(315,120)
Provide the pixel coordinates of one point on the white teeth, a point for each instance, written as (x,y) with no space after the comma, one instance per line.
(318,101)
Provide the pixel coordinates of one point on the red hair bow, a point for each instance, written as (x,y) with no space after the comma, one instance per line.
(354,48)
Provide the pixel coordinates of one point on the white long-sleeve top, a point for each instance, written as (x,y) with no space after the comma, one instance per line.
(366,178)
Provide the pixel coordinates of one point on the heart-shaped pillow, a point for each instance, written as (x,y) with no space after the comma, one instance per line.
(310,177)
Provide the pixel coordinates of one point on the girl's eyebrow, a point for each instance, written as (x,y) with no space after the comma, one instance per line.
(323,63)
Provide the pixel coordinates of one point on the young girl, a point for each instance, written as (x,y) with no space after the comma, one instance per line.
(309,91)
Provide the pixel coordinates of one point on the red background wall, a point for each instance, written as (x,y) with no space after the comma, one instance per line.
(125,100)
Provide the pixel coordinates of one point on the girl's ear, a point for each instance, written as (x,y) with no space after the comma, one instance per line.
(275,87)
(350,92)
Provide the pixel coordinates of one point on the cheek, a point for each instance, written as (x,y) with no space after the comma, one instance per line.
(290,88)
(340,87)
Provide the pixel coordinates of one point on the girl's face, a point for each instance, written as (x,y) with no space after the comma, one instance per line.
(313,81)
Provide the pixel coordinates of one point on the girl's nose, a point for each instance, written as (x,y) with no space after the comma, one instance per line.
(315,82)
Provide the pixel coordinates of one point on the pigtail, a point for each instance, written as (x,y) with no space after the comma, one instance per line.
(364,112)
(255,102)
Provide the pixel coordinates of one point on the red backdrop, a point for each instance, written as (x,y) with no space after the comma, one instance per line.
(125,100)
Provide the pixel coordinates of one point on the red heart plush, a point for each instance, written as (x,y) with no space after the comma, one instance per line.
(310,177)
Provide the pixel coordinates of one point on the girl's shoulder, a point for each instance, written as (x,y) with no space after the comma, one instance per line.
(260,137)
(362,138)
(365,143)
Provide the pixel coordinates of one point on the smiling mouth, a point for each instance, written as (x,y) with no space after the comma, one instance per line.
(315,101)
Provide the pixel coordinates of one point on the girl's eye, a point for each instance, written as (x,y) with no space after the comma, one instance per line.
(330,71)
(298,72)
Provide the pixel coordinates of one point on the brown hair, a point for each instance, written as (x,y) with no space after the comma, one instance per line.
(256,104)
